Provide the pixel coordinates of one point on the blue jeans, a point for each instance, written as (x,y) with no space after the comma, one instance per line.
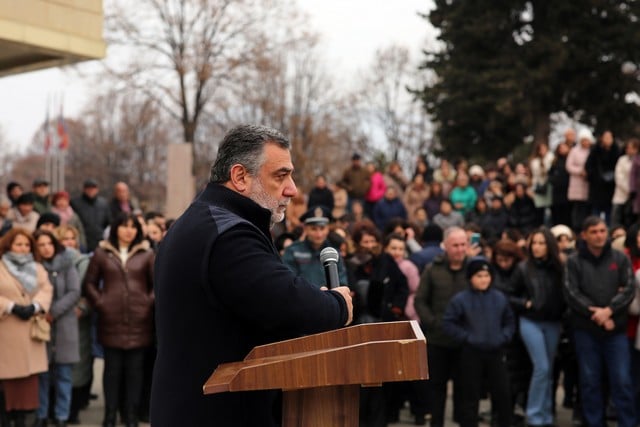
(594,355)
(541,339)
(61,373)
(635,377)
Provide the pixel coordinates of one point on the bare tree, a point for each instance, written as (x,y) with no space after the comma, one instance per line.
(184,52)
(120,138)
(386,100)
(292,91)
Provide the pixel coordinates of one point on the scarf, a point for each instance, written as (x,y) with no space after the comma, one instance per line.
(64,214)
(58,264)
(23,268)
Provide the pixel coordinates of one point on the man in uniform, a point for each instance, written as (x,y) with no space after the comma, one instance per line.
(303,256)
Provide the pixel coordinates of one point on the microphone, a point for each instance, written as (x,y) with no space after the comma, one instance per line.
(329,258)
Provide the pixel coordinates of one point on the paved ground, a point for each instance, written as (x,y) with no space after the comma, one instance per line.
(92,416)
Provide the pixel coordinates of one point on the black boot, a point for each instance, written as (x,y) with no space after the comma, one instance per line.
(4,417)
(20,419)
(40,422)
(132,417)
(109,418)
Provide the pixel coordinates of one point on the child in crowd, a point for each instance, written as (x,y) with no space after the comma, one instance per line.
(482,321)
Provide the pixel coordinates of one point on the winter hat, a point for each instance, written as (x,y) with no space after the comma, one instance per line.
(586,134)
(90,183)
(48,218)
(562,230)
(476,170)
(432,233)
(477,264)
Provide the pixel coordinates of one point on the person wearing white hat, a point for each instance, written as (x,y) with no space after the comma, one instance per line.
(578,192)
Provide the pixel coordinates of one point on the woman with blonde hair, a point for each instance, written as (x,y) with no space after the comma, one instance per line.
(63,347)
(82,372)
(24,292)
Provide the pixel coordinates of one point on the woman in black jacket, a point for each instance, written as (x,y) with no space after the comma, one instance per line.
(559,180)
(522,212)
(536,294)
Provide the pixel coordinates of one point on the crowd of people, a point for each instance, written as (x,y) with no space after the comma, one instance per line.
(515,272)
(84,267)
(544,228)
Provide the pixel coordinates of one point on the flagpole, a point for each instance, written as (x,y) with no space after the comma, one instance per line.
(47,166)
(61,143)
(54,146)
(63,155)
(47,142)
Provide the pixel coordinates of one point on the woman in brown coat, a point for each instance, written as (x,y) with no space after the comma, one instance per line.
(124,303)
(24,291)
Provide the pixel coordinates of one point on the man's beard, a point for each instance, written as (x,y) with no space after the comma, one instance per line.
(261,197)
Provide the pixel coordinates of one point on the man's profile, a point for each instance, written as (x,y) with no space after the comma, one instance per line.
(221,288)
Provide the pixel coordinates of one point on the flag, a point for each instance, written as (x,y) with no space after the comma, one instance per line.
(47,136)
(63,136)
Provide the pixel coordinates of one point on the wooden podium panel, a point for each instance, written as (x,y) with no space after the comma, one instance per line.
(321,374)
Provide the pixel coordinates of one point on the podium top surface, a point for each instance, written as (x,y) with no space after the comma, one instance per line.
(363,354)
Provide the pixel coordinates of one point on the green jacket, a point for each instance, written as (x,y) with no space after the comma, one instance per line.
(438,284)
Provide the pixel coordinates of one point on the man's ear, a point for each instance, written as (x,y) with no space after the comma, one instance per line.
(239,178)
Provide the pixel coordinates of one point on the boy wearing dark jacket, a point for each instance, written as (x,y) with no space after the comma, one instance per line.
(480,318)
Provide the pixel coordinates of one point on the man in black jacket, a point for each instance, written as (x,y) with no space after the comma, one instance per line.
(94,214)
(221,288)
(599,286)
(439,282)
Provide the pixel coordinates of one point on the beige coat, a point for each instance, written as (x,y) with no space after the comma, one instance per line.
(20,356)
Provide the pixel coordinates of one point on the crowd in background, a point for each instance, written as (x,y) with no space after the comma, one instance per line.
(86,265)
(527,219)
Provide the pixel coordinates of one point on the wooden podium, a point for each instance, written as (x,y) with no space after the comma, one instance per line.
(320,375)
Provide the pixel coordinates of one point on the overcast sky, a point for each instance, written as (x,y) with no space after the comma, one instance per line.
(351,32)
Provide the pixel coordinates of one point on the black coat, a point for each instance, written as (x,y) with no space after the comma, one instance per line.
(559,179)
(522,214)
(536,281)
(601,281)
(380,287)
(494,222)
(600,168)
(321,197)
(221,290)
(95,217)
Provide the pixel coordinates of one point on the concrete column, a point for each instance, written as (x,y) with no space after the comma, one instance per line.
(180,181)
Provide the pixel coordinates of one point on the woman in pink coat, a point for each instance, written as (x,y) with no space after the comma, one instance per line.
(24,291)
(377,188)
(578,192)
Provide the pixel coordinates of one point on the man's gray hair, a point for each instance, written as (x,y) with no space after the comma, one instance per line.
(450,230)
(244,145)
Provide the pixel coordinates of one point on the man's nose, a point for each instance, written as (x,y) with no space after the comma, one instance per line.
(290,189)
